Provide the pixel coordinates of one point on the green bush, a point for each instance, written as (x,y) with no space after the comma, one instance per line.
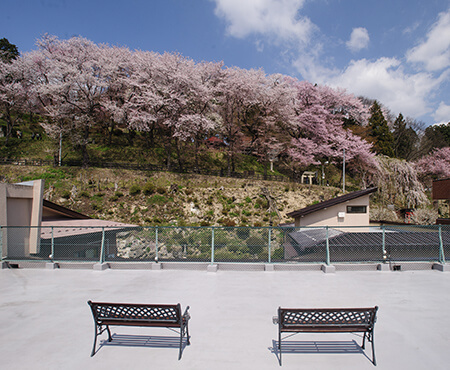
(278,254)
(243,233)
(149,188)
(256,244)
(66,194)
(161,190)
(135,189)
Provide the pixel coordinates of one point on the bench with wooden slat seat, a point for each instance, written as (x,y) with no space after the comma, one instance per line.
(327,320)
(135,314)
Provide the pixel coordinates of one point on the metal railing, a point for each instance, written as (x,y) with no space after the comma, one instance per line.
(326,245)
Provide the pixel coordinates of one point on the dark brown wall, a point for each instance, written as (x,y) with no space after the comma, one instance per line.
(441,189)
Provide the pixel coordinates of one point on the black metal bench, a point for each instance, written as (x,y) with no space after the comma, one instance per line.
(131,314)
(327,320)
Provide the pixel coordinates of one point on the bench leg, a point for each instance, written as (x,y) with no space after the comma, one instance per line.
(374,361)
(279,346)
(98,331)
(95,340)
(187,334)
(181,343)
(370,338)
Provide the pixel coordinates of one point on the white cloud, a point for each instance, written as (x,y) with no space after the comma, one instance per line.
(359,39)
(434,52)
(442,114)
(383,79)
(277,19)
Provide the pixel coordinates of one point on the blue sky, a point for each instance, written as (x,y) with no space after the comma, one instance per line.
(396,51)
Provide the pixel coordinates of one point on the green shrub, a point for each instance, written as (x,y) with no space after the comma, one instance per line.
(118,194)
(246,213)
(243,233)
(157,199)
(66,194)
(255,244)
(278,254)
(85,194)
(161,190)
(149,188)
(135,189)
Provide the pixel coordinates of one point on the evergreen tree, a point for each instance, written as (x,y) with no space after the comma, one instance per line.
(382,138)
(405,139)
(437,136)
(8,51)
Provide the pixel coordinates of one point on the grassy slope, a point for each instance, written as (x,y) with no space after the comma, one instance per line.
(163,198)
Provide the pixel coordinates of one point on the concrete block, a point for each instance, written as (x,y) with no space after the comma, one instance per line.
(51,265)
(269,267)
(441,267)
(101,266)
(156,266)
(383,267)
(4,265)
(212,268)
(328,269)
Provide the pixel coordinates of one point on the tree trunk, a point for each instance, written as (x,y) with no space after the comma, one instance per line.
(84,151)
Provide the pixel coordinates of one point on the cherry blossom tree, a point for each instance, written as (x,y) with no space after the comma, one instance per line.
(13,93)
(73,85)
(316,127)
(399,184)
(435,165)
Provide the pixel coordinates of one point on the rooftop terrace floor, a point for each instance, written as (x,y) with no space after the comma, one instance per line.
(45,322)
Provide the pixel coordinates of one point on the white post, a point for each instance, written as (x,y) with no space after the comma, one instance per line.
(60,147)
(343,173)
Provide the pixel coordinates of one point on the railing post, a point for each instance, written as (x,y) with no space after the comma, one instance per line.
(441,247)
(52,252)
(102,251)
(212,245)
(156,245)
(384,243)
(269,245)
(328,248)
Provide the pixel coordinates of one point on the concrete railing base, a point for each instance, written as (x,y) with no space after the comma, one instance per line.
(101,266)
(328,269)
(212,268)
(383,267)
(51,266)
(441,267)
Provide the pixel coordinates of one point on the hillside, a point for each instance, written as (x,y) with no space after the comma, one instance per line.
(164,198)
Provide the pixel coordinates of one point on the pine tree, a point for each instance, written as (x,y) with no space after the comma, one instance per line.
(405,139)
(382,138)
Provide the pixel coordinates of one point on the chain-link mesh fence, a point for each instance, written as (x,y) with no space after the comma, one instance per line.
(228,244)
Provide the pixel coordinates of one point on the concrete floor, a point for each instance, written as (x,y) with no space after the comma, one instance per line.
(45,322)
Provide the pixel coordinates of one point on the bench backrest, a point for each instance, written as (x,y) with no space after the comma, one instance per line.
(136,312)
(294,317)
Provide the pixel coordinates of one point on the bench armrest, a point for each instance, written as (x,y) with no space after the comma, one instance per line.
(186,315)
(275,320)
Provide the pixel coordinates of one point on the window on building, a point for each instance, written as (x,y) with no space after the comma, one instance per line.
(356,209)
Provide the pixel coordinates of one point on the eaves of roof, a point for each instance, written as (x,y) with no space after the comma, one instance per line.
(331,202)
(64,211)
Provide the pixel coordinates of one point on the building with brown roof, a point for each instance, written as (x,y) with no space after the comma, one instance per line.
(351,209)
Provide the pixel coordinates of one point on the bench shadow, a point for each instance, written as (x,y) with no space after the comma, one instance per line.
(317,347)
(148,341)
